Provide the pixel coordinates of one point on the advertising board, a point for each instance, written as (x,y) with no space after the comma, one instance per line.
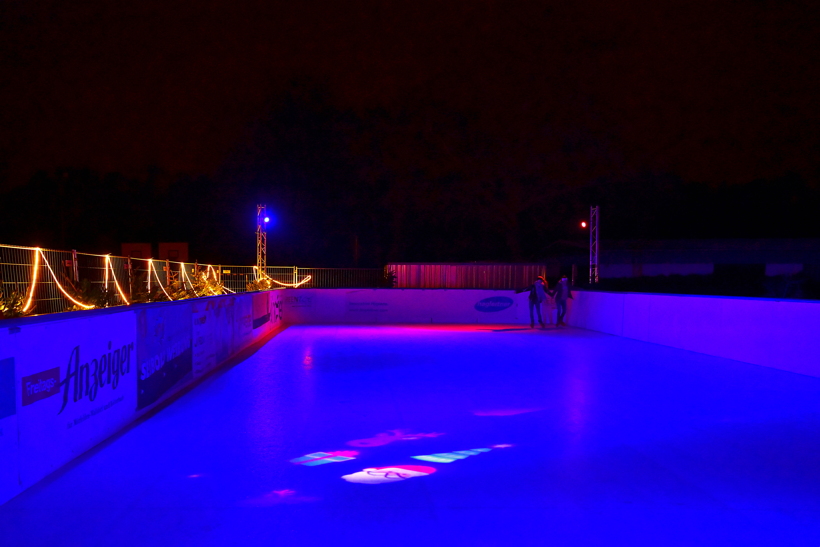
(76,385)
(212,335)
(164,353)
(9,454)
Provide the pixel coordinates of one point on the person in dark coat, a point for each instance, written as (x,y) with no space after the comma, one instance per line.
(561,294)
(538,294)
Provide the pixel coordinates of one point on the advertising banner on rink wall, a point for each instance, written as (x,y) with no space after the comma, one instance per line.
(242,327)
(164,352)
(381,306)
(9,453)
(255,316)
(69,381)
(266,313)
(261,310)
(212,332)
(270,319)
(76,382)
(222,326)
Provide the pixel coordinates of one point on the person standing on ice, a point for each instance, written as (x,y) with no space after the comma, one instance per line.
(538,294)
(561,294)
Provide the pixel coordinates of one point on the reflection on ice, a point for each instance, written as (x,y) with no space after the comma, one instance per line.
(381,475)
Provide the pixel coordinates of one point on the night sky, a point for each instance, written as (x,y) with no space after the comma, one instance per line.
(429,131)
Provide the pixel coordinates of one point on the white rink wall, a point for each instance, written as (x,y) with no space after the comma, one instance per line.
(408,306)
(780,334)
(68,381)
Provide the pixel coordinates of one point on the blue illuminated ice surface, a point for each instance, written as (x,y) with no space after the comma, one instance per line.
(595,440)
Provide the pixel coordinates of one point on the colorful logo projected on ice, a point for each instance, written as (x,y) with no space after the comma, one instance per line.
(494,303)
(391,436)
(450,457)
(321,458)
(381,475)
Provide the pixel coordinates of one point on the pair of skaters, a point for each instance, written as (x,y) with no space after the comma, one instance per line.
(541,295)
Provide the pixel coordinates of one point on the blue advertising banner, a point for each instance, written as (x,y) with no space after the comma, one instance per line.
(9,458)
(164,352)
(7,391)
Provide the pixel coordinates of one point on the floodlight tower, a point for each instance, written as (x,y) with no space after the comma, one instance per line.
(594,217)
(261,240)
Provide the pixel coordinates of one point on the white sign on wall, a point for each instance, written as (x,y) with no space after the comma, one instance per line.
(76,384)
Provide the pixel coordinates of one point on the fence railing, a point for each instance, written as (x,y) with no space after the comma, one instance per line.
(465,276)
(49,281)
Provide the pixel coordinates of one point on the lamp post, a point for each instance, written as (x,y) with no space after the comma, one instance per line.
(262,220)
(594,217)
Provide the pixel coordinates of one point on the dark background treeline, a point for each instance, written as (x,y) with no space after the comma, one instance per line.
(422,184)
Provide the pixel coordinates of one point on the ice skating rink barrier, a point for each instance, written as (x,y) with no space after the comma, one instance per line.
(781,334)
(69,381)
(773,333)
(396,306)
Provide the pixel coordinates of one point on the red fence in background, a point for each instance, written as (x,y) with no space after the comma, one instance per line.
(465,276)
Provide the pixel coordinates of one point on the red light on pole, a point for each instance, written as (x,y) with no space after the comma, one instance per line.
(583,224)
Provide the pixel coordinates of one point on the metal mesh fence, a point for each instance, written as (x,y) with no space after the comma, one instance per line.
(54,281)
(343,278)
(236,278)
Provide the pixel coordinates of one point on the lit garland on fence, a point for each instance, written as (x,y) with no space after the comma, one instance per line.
(184,276)
(33,279)
(108,265)
(205,279)
(216,277)
(291,285)
(152,267)
(57,282)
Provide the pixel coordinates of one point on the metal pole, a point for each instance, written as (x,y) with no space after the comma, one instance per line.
(167,273)
(594,218)
(261,241)
(130,278)
(75,266)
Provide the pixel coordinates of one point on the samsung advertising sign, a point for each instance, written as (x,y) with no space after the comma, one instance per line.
(493,304)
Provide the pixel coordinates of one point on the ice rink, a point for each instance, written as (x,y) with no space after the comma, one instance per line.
(451,436)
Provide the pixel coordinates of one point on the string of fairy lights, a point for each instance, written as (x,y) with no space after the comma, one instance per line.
(111,278)
(265,277)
